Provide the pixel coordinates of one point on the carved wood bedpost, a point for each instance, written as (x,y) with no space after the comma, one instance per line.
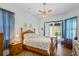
(21,35)
(21,29)
(52,48)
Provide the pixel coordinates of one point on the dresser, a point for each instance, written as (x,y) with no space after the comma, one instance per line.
(1,43)
(15,48)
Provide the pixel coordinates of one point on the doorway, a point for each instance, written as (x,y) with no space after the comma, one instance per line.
(58,30)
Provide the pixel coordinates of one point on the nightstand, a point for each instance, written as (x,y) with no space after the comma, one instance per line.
(15,48)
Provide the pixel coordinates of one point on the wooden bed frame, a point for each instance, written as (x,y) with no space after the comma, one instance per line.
(37,50)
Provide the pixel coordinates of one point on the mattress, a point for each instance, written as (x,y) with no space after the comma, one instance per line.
(38,42)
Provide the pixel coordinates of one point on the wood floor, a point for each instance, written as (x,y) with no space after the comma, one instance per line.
(61,51)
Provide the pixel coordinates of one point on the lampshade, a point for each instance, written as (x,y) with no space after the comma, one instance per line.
(17,35)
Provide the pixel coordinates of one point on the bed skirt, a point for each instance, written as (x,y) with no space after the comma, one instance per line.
(36,50)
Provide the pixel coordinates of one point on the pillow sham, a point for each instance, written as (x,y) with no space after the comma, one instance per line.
(25,36)
(32,35)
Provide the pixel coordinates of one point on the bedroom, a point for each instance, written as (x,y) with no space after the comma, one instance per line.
(18,19)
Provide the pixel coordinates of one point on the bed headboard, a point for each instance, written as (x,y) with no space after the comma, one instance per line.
(25,32)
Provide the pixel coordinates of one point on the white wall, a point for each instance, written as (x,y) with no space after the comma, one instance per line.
(21,17)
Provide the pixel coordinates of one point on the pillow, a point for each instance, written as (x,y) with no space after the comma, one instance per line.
(33,35)
(25,36)
(30,35)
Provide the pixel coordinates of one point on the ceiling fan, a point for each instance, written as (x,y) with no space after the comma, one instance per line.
(44,13)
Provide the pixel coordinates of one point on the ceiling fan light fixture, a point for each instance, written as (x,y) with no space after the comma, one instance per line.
(44,12)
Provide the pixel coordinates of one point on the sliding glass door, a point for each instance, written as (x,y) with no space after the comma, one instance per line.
(56,28)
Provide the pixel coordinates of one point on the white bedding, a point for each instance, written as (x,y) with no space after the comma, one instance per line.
(38,42)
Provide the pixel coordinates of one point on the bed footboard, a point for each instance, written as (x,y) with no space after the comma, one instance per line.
(36,50)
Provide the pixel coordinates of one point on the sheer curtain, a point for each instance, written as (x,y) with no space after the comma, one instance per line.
(7,26)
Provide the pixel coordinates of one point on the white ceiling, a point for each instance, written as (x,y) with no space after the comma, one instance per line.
(57,8)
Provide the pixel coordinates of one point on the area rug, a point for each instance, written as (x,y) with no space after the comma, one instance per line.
(28,53)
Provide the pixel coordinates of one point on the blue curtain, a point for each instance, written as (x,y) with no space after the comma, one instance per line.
(1,21)
(70,28)
(7,26)
(12,24)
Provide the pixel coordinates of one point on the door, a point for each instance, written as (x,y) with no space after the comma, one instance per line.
(58,30)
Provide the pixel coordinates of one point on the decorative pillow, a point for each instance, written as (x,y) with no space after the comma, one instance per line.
(30,35)
(25,36)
